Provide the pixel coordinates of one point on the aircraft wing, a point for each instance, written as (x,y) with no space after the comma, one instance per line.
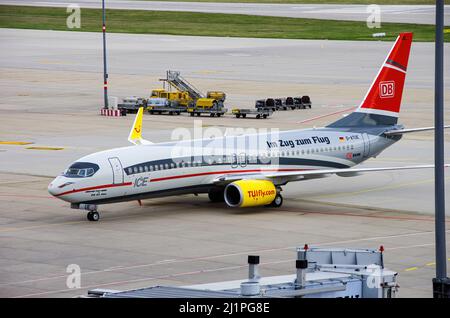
(287,176)
(405,131)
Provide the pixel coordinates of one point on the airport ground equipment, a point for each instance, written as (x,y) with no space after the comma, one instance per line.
(163,106)
(132,104)
(319,273)
(257,113)
(175,99)
(300,102)
(212,112)
(187,94)
(306,102)
(270,103)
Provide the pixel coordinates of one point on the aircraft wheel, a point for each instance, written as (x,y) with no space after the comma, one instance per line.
(277,202)
(93,216)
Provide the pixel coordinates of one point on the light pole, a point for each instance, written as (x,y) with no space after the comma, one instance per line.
(105,72)
(441,284)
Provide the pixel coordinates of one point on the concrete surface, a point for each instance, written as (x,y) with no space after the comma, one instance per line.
(50,95)
(421,14)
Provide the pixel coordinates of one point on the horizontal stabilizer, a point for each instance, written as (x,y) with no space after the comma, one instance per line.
(405,131)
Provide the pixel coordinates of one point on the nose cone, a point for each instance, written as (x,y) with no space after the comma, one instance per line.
(59,185)
(52,188)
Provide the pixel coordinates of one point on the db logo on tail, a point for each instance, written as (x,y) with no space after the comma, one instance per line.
(387,89)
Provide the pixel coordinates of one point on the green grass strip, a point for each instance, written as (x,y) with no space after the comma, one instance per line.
(206,24)
(379,2)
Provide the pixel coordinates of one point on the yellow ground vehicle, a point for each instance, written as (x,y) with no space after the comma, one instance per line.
(217,95)
(186,95)
(206,103)
(176,98)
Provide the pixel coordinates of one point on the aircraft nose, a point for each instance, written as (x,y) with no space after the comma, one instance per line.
(52,189)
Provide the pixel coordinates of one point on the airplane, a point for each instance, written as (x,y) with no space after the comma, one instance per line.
(245,170)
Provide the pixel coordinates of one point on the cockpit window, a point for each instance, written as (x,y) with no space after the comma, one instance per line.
(81,170)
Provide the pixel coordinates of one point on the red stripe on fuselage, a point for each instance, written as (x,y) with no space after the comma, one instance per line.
(95,188)
(222,172)
(178,177)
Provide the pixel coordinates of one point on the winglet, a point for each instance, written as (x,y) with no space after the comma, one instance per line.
(135,136)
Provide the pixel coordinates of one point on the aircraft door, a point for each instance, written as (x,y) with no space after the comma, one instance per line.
(117,170)
(366,146)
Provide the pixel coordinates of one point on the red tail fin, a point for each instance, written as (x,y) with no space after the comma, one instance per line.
(385,95)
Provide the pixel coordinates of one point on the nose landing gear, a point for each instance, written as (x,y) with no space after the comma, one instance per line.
(93,216)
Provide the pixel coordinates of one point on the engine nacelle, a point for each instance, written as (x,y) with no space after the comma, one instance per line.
(245,193)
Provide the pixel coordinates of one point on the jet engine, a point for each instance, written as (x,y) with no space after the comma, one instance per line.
(245,193)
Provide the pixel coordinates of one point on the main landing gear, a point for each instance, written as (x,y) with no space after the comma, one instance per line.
(278,201)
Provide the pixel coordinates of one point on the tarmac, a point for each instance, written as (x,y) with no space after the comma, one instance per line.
(417,14)
(51,94)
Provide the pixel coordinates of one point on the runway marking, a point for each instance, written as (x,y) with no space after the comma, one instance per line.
(411,269)
(430,264)
(19,143)
(184,260)
(44,148)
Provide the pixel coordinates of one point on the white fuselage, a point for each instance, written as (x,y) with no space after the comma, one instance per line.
(145,171)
